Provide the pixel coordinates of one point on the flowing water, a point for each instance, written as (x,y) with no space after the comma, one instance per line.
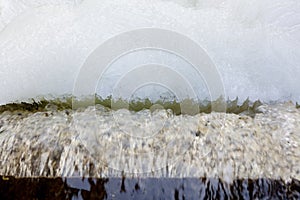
(163,155)
(254,45)
(81,148)
(122,188)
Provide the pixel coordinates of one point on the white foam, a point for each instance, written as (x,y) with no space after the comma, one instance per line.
(254,44)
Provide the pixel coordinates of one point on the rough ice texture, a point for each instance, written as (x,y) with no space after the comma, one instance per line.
(254,44)
(97,142)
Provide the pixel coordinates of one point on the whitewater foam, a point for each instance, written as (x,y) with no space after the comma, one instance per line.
(254,45)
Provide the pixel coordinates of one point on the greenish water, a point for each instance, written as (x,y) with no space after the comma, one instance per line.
(191,107)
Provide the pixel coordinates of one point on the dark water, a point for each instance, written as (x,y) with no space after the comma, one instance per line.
(146,188)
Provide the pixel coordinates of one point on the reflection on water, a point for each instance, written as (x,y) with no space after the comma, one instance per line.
(146,188)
